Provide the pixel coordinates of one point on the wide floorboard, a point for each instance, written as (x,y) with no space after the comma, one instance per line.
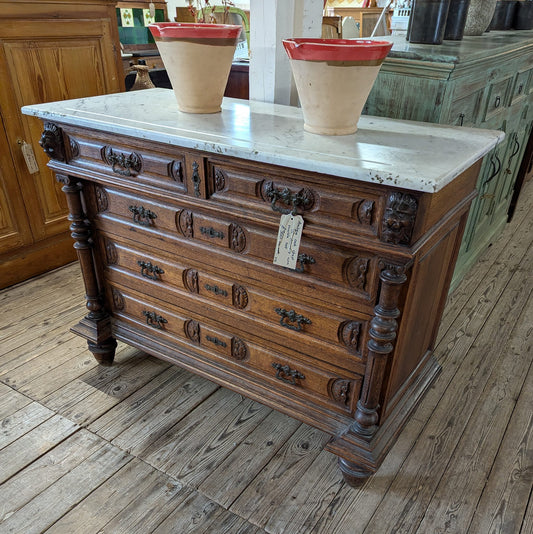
(145,447)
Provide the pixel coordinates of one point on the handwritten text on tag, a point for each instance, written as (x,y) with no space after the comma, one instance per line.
(288,243)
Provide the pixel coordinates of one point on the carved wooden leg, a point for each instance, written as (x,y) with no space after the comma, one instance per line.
(95,326)
(352,473)
(382,332)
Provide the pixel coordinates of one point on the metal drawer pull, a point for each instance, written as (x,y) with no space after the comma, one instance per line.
(461,118)
(216,290)
(520,88)
(211,232)
(495,170)
(304,259)
(304,199)
(154,320)
(291,316)
(142,216)
(125,165)
(497,102)
(148,270)
(286,374)
(216,341)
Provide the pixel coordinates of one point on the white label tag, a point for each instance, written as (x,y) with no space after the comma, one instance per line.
(288,243)
(29,158)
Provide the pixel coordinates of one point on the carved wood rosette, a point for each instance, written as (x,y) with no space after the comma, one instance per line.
(190,280)
(184,223)
(237,238)
(239,350)
(192,330)
(220,180)
(355,272)
(399,218)
(339,390)
(175,170)
(350,335)
(239,297)
(102,199)
(58,145)
(382,332)
(95,327)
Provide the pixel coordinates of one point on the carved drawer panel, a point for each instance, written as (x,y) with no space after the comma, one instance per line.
(285,321)
(350,209)
(351,273)
(498,98)
(522,86)
(170,170)
(465,110)
(220,348)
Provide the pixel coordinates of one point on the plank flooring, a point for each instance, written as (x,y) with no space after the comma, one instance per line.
(145,447)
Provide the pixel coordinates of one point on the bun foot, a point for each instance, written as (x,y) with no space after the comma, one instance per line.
(354,475)
(104,353)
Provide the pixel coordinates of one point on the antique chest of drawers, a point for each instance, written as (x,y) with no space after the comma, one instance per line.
(176,217)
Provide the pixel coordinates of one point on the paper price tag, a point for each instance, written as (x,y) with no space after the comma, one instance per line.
(288,243)
(29,158)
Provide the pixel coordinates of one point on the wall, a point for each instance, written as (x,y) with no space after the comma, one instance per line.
(172,4)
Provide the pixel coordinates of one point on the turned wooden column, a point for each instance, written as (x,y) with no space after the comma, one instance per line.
(383,328)
(95,326)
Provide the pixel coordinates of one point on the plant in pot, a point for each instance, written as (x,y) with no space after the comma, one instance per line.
(197,57)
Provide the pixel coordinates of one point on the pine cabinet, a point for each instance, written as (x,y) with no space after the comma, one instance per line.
(481,82)
(49,51)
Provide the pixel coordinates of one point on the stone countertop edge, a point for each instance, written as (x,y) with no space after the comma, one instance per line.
(404,154)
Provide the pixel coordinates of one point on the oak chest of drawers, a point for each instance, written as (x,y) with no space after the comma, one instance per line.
(175,219)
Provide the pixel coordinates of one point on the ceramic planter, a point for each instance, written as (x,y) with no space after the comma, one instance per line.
(334,78)
(197,58)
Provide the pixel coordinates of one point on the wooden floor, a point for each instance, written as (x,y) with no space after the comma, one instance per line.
(145,447)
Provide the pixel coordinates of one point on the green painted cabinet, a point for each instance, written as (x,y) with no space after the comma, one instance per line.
(481,82)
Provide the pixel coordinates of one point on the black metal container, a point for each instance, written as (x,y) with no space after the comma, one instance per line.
(455,23)
(523,15)
(427,21)
(503,15)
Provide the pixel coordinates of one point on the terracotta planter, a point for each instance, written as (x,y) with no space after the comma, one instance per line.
(334,78)
(197,58)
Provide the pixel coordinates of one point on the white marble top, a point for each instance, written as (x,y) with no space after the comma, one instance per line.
(411,155)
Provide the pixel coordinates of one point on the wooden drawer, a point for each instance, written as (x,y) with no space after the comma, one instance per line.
(285,321)
(498,98)
(521,87)
(323,384)
(352,274)
(350,209)
(140,163)
(464,111)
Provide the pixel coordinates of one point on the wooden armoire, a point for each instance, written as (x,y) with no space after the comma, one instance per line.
(49,50)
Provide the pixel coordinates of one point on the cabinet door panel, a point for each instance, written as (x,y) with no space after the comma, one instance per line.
(14,225)
(38,66)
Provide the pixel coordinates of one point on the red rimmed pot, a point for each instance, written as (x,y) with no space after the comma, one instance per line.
(334,78)
(197,58)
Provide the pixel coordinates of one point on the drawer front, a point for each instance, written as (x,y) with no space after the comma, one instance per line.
(352,274)
(333,388)
(498,98)
(521,87)
(174,170)
(352,210)
(286,322)
(464,111)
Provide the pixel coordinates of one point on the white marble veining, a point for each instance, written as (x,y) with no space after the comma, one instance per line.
(416,156)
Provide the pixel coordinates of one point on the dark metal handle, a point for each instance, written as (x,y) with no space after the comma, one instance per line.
(513,154)
(125,165)
(288,317)
(495,170)
(148,270)
(196,178)
(211,232)
(303,199)
(461,118)
(497,102)
(216,290)
(142,216)
(154,320)
(286,374)
(303,260)
(216,341)
(520,88)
